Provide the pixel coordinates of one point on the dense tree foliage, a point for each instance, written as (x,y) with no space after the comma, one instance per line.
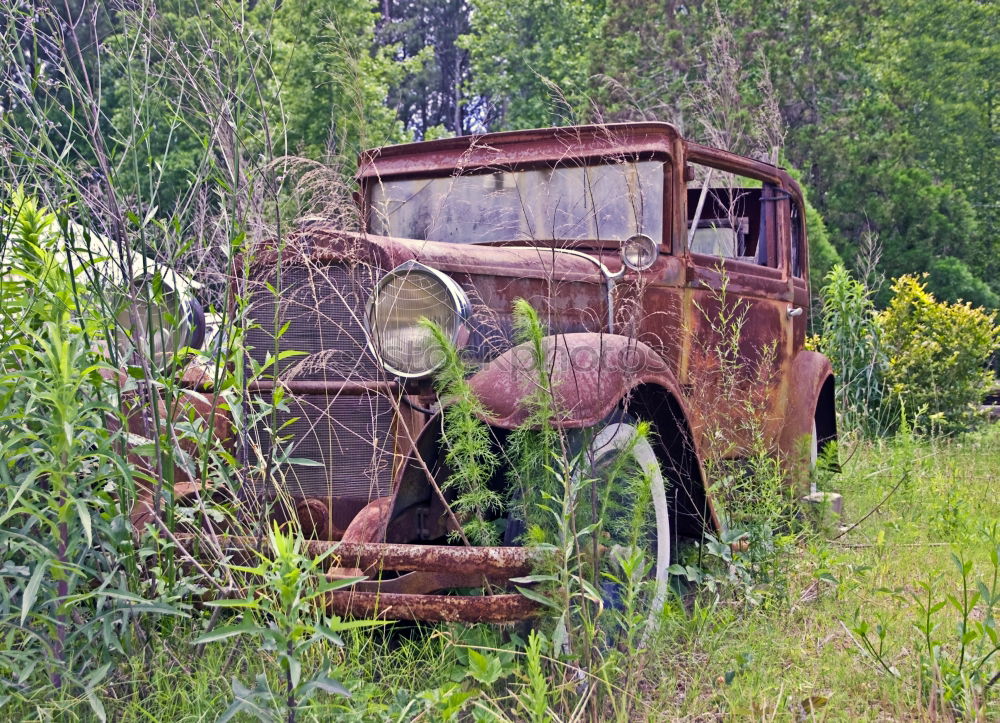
(433,98)
(887,107)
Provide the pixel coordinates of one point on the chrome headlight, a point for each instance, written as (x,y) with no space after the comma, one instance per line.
(158,321)
(639,252)
(404,296)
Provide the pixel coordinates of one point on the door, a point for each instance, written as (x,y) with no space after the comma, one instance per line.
(739,294)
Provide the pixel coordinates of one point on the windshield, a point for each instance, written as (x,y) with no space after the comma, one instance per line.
(607,202)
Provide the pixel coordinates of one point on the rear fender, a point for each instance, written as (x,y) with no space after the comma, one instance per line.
(811,390)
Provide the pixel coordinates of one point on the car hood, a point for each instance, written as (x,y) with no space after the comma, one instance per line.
(541,262)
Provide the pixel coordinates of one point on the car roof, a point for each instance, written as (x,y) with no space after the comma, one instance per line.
(512,148)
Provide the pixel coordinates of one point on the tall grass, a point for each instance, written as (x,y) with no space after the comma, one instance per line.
(102,213)
(849,334)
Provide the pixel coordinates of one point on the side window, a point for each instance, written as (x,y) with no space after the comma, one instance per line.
(798,240)
(731,216)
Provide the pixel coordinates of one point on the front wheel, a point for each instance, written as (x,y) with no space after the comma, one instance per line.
(628,500)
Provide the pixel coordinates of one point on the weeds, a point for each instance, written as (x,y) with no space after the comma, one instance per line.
(853,341)
(955,671)
(70,570)
(470,455)
(285,596)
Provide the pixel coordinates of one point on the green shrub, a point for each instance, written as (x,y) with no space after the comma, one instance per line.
(951,279)
(68,608)
(938,354)
(849,334)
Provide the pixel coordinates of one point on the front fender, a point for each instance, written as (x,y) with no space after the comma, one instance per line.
(589,373)
(810,371)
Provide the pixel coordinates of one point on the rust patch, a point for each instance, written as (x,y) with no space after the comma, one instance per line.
(432,608)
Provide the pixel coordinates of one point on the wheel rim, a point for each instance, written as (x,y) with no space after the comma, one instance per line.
(813,448)
(623,438)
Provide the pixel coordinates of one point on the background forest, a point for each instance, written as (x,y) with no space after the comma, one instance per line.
(887,109)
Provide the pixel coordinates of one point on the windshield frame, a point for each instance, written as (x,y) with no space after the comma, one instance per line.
(666,231)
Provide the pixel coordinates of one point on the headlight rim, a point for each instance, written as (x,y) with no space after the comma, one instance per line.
(651,247)
(460,301)
(186,336)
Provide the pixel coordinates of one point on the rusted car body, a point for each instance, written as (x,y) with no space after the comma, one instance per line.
(543,215)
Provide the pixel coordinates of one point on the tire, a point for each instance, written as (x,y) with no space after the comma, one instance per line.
(813,457)
(619,436)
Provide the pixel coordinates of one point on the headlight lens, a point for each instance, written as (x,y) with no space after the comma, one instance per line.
(402,298)
(639,252)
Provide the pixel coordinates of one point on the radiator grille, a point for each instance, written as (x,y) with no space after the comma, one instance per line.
(323,306)
(348,435)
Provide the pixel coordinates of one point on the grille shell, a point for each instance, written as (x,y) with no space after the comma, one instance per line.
(349,435)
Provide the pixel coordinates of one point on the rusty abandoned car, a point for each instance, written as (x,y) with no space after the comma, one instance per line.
(627,239)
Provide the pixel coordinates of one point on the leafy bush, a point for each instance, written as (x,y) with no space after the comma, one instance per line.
(285,596)
(938,353)
(67,582)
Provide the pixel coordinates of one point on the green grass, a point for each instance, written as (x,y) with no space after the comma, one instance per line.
(803,648)
(794,650)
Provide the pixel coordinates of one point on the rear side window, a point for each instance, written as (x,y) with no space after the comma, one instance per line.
(731,216)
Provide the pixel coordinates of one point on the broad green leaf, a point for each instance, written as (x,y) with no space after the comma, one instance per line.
(330,636)
(96,705)
(328,685)
(527,579)
(591,592)
(84,513)
(357,624)
(229,632)
(31,589)
(233,603)
(486,669)
(536,596)
(560,635)
(303,462)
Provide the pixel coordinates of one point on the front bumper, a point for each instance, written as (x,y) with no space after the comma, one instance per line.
(402,579)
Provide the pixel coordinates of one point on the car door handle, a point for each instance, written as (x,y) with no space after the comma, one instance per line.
(793,311)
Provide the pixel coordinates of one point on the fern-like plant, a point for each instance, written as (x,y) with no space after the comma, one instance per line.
(469,453)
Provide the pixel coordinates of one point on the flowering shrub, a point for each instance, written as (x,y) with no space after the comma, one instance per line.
(938,354)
